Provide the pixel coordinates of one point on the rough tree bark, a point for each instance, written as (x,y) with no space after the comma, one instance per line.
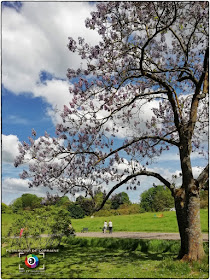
(188,218)
(187,203)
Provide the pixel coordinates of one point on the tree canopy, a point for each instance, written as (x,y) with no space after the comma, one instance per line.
(156,199)
(151,55)
(133,64)
(119,199)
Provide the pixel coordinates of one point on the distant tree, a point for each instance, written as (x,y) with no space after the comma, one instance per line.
(86,204)
(76,211)
(5,209)
(99,197)
(156,199)
(118,199)
(17,205)
(31,201)
(50,199)
(146,200)
(64,200)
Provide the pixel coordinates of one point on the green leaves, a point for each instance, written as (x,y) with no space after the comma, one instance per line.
(39,222)
(156,199)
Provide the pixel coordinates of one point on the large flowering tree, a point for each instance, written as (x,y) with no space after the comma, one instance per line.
(151,54)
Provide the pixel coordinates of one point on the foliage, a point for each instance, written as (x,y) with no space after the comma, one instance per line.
(50,199)
(76,211)
(26,201)
(156,199)
(5,209)
(98,199)
(60,223)
(124,209)
(86,204)
(128,209)
(119,199)
(17,205)
(35,223)
(31,201)
(63,201)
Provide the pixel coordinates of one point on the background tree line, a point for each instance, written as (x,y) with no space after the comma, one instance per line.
(155,199)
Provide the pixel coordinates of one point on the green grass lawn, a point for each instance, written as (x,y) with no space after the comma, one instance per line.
(108,258)
(139,222)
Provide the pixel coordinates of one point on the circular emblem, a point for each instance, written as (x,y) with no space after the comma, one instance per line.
(31,261)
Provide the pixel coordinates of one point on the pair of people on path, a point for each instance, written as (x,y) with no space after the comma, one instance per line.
(105,226)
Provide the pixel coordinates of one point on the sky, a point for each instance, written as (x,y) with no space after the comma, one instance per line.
(35,59)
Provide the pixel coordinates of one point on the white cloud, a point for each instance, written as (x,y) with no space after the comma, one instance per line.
(9,148)
(15,185)
(36,39)
(196,171)
(56,93)
(13,188)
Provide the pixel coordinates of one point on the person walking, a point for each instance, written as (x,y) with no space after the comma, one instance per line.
(110,226)
(105,226)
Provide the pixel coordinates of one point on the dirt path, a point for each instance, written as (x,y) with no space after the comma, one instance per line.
(137,235)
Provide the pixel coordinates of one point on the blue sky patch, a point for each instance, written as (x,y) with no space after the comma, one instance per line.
(21,113)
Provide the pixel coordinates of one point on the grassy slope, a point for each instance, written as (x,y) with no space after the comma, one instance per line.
(139,222)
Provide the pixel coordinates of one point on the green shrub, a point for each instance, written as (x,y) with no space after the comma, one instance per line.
(124,209)
(38,222)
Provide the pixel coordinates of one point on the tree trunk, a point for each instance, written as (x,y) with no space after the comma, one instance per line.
(181,220)
(188,218)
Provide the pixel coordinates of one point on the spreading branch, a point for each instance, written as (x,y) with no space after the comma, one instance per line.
(140,173)
(203,177)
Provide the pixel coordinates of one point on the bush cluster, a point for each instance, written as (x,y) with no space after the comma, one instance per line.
(38,222)
(124,209)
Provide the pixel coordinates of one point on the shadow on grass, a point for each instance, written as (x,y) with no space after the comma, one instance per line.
(89,257)
(84,261)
